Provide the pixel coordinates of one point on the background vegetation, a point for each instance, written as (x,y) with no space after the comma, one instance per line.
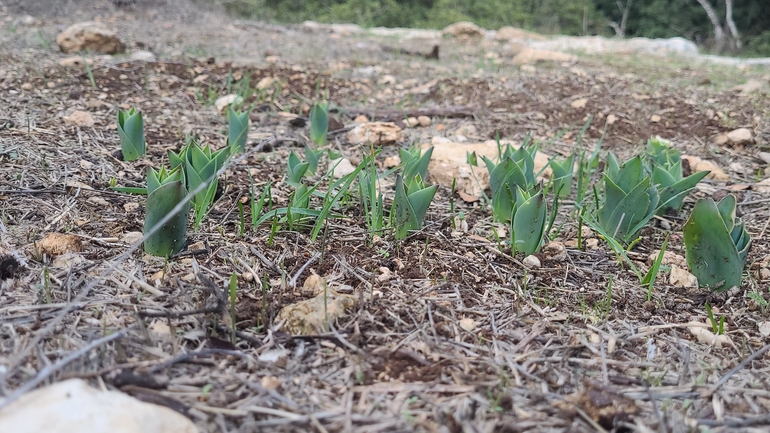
(647,18)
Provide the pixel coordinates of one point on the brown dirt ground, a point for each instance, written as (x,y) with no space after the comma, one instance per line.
(551,348)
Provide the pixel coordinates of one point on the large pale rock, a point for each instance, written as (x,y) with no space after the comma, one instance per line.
(531,56)
(598,44)
(463,29)
(377,133)
(507,33)
(740,136)
(449,162)
(73,406)
(89,35)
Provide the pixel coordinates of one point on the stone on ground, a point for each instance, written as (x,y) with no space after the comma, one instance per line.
(92,36)
(464,29)
(449,162)
(72,406)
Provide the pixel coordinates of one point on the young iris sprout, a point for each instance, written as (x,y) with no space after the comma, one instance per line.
(165,190)
(562,175)
(238,130)
(528,221)
(630,200)
(312,157)
(131,132)
(410,205)
(516,168)
(415,162)
(200,165)
(319,123)
(296,169)
(667,175)
(716,243)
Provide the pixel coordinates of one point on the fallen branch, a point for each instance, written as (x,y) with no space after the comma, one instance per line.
(433,55)
(394,114)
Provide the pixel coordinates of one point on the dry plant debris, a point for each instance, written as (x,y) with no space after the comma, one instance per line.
(440,332)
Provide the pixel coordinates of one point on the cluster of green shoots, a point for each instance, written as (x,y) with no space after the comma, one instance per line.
(650,184)
(412,196)
(517,197)
(632,193)
(194,170)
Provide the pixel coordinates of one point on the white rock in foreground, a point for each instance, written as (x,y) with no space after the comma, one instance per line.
(73,406)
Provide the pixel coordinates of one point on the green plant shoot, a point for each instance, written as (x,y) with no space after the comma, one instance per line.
(165,190)
(630,200)
(131,132)
(666,172)
(296,169)
(200,166)
(527,222)
(716,244)
(312,157)
(415,162)
(516,168)
(562,175)
(238,130)
(319,123)
(410,205)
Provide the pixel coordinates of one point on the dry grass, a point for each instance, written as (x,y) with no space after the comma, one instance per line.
(455,336)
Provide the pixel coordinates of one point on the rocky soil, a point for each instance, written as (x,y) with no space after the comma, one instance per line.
(444,331)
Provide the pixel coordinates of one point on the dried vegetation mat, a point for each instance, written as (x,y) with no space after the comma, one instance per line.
(442,331)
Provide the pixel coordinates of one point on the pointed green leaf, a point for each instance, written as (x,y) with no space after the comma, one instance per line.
(711,254)
(528,224)
(170,238)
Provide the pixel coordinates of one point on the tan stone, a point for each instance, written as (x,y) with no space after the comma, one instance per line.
(555,251)
(80,118)
(377,133)
(463,29)
(507,33)
(579,103)
(740,136)
(224,101)
(669,258)
(74,61)
(311,316)
(449,162)
(531,56)
(265,82)
(531,262)
(697,164)
(89,35)
(342,167)
(681,277)
(424,121)
(721,139)
(468,324)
